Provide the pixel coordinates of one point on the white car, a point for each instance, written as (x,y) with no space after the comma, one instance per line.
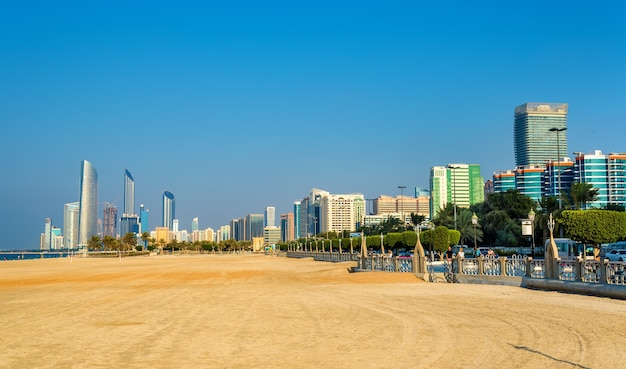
(616,255)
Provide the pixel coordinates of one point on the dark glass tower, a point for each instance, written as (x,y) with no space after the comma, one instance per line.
(168,210)
(533,139)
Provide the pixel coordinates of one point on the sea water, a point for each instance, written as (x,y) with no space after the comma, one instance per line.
(27,255)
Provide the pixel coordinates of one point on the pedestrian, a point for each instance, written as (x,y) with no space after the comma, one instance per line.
(461,254)
(449,254)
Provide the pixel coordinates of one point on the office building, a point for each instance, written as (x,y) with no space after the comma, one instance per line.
(88,203)
(534,142)
(605,172)
(459,184)
(144,215)
(129,224)
(47,235)
(529,181)
(129,193)
(341,212)
(309,220)
(503,181)
(287,227)
(270,216)
(169,212)
(558,177)
(109,220)
(271,235)
(234,229)
(296,220)
(70,225)
(403,205)
(254,226)
(224,233)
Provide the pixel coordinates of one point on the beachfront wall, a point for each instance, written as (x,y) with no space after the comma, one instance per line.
(493,270)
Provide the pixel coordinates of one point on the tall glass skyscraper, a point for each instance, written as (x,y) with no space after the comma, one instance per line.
(129,193)
(168,210)
(143,219)
(88,203)
(533,141)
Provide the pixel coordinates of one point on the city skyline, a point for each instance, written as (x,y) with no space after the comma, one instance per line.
(350,97)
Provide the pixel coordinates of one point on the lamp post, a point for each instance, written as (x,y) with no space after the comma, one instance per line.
(475,222)
(531,217)
(402,204)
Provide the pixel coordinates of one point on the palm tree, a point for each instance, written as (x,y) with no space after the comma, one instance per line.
(110,243)
(417,219)
(144,237)
(94,243)
(582,193)
(445,216)
(466,227)
(129,241)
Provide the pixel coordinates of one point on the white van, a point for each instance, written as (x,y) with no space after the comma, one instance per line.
(568,249)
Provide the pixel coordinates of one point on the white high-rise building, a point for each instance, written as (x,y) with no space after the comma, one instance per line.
(129,194)
(88,203)
(341,212)
(270,217)
(70,225)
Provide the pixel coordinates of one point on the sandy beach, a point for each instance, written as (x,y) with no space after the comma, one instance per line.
(256,311)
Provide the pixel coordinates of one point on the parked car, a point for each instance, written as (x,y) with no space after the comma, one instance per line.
(616,255)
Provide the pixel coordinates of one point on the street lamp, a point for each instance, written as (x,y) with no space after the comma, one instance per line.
(475,222)
(531,217)
(558,152)
(402,203)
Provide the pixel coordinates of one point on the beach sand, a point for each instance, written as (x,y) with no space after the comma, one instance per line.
(257,311)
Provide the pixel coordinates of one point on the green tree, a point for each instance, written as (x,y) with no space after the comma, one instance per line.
(594,226)
(393,240)
(500,217)
(409,239)
(441,239)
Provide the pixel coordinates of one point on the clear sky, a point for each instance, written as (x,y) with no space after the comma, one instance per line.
(234,105)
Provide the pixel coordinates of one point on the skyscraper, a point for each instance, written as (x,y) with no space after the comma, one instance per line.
(270,216)
(129,193)
(143,219)
(109,220)
(459,184)
(534,143)
(168,210)
(296,220)
(70,225)
(47,235)
(88,203)
(286,227)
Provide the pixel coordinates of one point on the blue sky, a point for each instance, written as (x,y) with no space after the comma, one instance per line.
(234,106)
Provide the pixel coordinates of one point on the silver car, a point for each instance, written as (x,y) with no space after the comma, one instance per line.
(616,255)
